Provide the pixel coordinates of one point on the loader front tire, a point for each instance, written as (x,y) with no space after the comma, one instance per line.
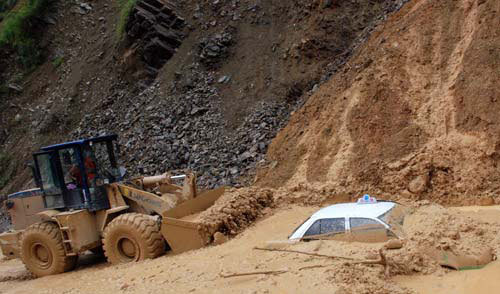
(132,237)
(42,250)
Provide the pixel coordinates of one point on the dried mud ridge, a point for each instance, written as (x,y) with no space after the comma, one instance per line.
(234,211)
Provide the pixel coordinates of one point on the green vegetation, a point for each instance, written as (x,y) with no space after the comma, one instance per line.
(58,61)
(7,170)
(15,31)
(126,7)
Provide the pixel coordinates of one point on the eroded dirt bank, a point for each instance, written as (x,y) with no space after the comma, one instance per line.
(413,114)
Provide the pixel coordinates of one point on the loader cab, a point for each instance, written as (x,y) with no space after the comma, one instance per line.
(73,175)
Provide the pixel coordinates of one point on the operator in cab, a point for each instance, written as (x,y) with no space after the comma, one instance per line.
(90,167)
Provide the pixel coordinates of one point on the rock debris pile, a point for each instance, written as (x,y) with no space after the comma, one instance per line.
(215,47)
(186,131)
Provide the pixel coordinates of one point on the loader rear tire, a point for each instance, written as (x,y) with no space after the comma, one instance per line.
(132,237)
(42,250)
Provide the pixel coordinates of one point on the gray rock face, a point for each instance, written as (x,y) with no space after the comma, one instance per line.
(155,31)
(186,130)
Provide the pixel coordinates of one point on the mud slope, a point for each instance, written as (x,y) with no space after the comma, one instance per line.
(415,112)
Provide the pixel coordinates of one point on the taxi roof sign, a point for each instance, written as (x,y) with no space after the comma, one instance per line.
(367,199)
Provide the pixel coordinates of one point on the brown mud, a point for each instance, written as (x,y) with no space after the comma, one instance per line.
(413,114)
(202,271)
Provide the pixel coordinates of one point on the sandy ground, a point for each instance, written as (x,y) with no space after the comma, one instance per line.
(200,271)
(482,281)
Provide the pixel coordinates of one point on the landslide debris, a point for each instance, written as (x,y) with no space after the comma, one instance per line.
(413,114)
(185,130)
(239,71)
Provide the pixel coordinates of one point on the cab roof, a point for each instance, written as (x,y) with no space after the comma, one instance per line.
(80,142)
(354,210)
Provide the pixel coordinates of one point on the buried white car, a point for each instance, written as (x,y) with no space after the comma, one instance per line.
(367,220)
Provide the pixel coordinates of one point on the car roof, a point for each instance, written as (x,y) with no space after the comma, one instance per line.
(354,210)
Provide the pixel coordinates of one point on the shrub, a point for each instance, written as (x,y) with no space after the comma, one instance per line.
(58,61)
(15,31)
(126,7)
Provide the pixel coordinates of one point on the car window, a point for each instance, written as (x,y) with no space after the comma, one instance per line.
(364,224)
(332,225)
(326,226)
(313,229)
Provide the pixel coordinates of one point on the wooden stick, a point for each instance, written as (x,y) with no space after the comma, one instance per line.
(253,273)
(303,252)
(316,266)
(380,262)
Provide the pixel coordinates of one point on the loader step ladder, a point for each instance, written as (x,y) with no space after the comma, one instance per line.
(66,236)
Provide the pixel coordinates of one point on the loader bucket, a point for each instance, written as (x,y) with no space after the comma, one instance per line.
(181,233)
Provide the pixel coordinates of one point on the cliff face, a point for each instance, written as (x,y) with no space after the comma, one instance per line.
(415,112)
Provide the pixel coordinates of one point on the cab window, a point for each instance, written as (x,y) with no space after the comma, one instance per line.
(69,166)
(47,173)
(50,185)
(105,166)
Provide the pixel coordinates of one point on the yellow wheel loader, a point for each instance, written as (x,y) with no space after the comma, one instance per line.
(83,203)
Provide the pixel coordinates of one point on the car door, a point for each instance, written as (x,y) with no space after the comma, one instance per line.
(367,230)
(326,229)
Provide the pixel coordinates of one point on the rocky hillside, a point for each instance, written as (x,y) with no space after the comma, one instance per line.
(414,113)
(201,85)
